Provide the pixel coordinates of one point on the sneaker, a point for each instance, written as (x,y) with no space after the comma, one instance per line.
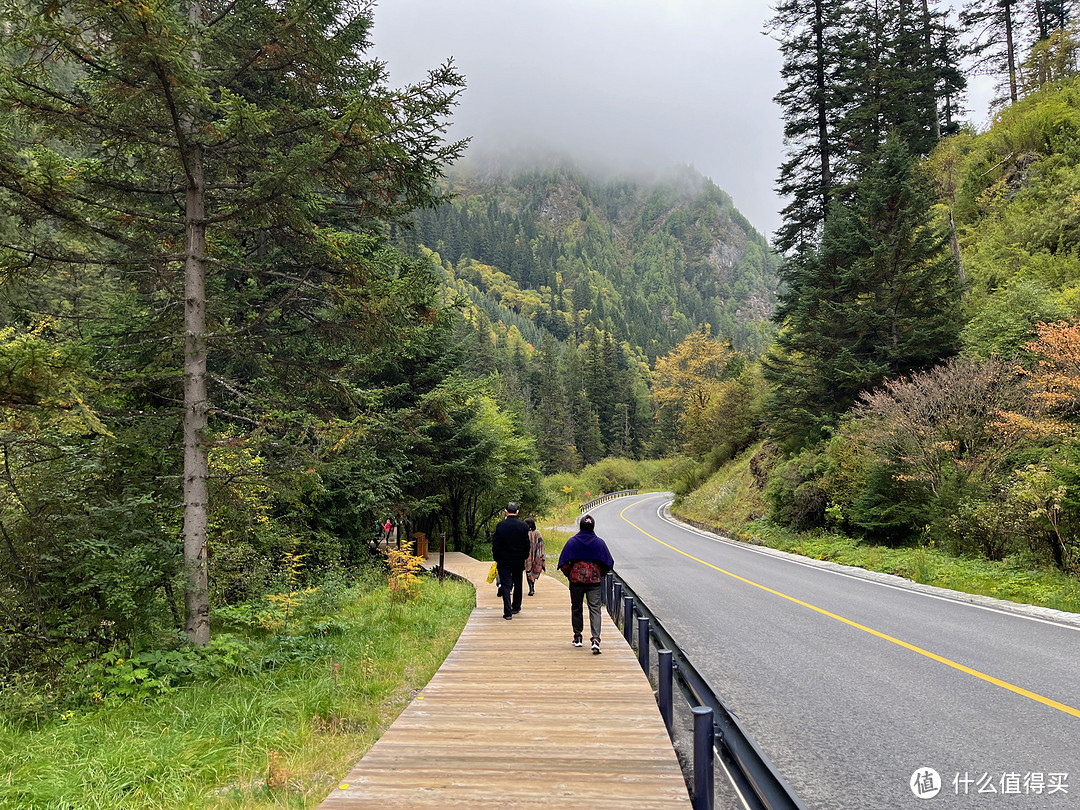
(508,617)
(577,640)
(596,646)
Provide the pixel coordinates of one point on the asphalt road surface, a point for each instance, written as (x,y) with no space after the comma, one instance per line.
(855,686)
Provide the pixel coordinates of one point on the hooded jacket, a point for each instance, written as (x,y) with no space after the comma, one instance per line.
(586,547)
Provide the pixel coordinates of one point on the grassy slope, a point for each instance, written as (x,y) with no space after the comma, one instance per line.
(218,745)
(730,503)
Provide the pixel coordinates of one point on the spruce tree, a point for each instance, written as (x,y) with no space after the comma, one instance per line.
(237,162)
(809,33)
(878,299)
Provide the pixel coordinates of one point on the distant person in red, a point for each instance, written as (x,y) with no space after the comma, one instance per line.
(510,549)
(585,559)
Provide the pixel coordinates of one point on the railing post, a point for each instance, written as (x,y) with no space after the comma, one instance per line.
(616,600)
(703,758)
(628,619)
(442,555)
(664,676)
(643,642)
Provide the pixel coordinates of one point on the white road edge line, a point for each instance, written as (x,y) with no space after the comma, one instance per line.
(745,547)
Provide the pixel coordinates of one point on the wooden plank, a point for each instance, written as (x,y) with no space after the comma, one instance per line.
(517,716)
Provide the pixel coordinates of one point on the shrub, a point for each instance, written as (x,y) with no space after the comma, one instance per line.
(796,495)
(614,474)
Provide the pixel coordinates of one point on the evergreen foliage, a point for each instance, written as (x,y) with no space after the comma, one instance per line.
(380,341)
(203,201)
(855,74)
(879,299)
(644,262)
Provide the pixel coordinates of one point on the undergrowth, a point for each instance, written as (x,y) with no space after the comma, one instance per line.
(1017,578)
(291,693)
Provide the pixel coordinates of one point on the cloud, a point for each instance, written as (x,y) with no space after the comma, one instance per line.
(642,84)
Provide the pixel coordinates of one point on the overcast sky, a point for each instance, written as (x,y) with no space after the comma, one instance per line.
(645,84)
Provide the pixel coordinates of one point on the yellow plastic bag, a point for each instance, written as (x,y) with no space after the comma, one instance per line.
(493,572)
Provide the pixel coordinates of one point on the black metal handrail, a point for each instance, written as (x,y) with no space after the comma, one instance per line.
(585,507)
(756,777)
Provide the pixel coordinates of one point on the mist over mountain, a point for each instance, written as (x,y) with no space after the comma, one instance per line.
(552,248)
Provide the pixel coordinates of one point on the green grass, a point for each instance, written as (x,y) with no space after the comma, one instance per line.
(1015,579)
(732,504)
(220,744)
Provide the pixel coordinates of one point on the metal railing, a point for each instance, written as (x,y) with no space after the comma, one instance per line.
(715,726)
(585,507)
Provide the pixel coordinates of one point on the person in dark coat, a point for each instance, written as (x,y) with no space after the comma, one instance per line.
(510,549)
(585,560)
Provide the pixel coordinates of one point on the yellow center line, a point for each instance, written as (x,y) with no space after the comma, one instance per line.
(1053,704)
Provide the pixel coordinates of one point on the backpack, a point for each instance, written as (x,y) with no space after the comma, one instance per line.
(584,573)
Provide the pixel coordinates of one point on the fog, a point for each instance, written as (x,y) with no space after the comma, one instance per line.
(642,85)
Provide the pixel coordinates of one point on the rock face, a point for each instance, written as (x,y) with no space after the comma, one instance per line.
(726,254)
(559,208)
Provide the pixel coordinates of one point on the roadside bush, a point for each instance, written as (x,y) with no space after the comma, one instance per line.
(990,528)
(692,476)
(795,492)
(613,475)
(662,473)
(932,443)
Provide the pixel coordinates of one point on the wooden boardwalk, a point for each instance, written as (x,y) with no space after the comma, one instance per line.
(518,717)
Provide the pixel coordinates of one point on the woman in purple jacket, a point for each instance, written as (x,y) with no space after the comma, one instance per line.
(585,559)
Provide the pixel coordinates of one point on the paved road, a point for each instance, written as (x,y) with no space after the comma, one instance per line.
(852,685)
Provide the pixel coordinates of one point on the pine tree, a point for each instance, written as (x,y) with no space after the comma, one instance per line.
(879,299)
(215,149)
(809,33)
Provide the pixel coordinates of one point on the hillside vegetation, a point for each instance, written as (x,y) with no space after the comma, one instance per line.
(976,456)
(647,261)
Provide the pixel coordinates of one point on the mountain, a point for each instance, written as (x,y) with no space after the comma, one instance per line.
(554,250)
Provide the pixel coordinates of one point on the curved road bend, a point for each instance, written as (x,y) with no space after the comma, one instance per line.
(852,686)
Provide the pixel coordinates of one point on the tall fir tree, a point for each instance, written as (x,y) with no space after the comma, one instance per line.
(994,29)
(895,75)
(552,421)
(809,32)
(239,161)
(880,298)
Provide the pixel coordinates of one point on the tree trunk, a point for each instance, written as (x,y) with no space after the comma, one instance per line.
(196,468)
(928,42)
(822,107)
(196,410)
(1010,48)
(954,246)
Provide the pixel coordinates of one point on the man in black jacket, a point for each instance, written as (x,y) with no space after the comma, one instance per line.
(510,549)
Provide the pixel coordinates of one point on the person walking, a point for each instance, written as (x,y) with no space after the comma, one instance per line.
(585,559)
(535,565)
(510,549)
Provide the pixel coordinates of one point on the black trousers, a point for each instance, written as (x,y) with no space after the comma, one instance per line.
(510,579)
